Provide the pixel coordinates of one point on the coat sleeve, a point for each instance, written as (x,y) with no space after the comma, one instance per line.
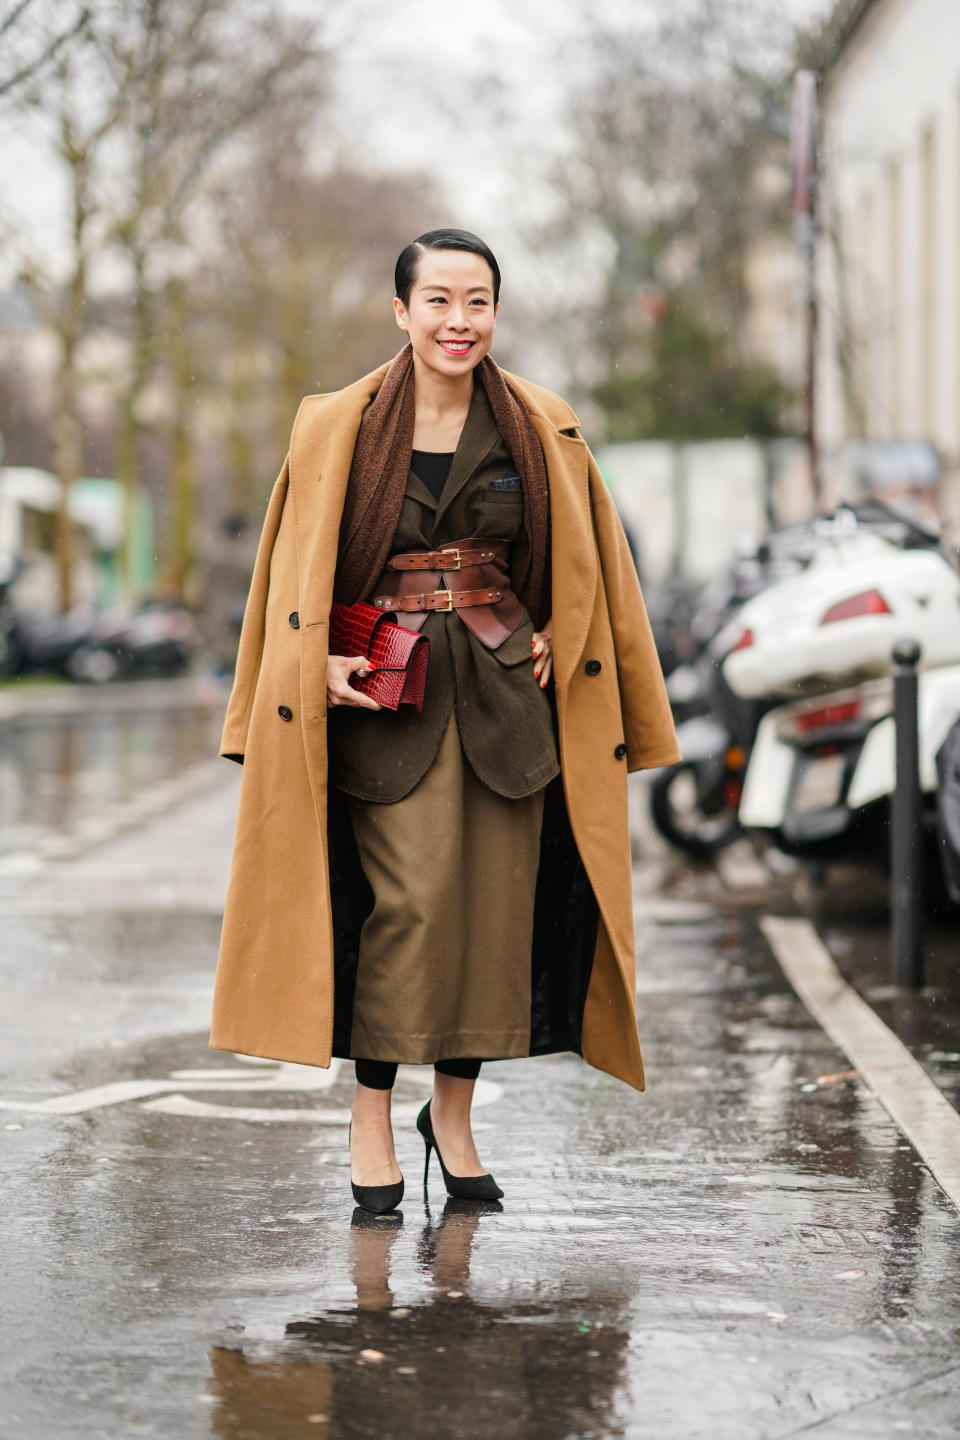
(647,719)
(234,738)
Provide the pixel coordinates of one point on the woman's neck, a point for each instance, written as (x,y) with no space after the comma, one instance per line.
(440,397)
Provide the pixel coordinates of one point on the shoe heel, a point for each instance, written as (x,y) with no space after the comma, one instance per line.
(466,1187)
(379,1199)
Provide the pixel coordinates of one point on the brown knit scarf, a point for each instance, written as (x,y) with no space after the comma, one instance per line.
(378,480)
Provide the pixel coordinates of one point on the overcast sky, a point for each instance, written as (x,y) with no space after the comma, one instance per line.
(420,60)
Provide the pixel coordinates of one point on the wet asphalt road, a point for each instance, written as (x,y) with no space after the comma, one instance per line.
(730,1254)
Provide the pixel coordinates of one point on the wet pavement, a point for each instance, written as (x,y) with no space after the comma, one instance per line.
(74,757)
(749,1248)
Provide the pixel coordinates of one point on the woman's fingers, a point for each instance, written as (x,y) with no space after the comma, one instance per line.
(339,690)
(542,657)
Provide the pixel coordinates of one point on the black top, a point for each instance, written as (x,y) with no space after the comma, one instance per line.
(432,467)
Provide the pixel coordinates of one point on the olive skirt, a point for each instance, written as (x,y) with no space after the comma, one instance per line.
(444,961)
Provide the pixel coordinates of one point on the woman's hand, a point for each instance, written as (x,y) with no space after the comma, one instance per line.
(543,652)
(339,691)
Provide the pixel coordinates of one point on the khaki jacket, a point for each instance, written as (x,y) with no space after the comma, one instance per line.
(295,900)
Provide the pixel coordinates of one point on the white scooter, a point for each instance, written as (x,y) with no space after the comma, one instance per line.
(823,641)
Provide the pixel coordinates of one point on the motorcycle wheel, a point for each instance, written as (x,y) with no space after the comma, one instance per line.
(92,665)
(690,809)
(11,657)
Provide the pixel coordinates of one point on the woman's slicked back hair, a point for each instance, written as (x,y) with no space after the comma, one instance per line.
(406,270)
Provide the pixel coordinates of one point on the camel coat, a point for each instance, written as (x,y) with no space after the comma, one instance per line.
(297,896)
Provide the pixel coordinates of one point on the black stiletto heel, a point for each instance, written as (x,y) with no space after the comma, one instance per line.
(465,1187)
(378,1198)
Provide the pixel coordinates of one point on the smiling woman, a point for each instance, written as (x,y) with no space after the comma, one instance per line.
(446,300)
(466,895)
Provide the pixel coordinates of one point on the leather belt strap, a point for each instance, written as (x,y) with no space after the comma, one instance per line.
(438,600)
(453,557)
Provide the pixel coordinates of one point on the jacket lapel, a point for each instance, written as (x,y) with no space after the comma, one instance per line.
(477,438)
(419,492)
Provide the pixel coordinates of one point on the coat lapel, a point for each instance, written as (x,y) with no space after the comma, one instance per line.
(573,545)
(321,453)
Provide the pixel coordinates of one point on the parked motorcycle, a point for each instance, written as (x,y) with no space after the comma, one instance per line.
(695,803)
(948,810)
(92,644)
(156,639)
(10,568)
(818,648)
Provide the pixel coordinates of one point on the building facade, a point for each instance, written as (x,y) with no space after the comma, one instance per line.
(889,233)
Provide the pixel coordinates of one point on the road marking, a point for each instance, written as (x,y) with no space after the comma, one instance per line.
(77,1101)
(274,1076)
(309,1115)
(901,1084)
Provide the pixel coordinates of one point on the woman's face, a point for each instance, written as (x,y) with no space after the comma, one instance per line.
(451,315)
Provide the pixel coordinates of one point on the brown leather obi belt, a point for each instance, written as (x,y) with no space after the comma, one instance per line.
(473,578)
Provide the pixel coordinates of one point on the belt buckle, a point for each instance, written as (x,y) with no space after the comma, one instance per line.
(452,550)
(449,595)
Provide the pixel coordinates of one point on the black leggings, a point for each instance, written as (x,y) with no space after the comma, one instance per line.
(380,1074)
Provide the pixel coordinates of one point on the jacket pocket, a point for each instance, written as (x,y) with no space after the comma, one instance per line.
(517,647)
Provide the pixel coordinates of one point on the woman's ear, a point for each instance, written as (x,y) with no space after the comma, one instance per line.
(400,312)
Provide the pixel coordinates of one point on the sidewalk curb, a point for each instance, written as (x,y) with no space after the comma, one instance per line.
(914,1102)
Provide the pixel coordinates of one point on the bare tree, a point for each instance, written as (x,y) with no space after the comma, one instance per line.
(291,295)
(80,128)
(139,106)
(33,34)
(197,75)
(669,124)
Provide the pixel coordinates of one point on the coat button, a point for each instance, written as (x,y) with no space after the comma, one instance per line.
(593,667)
(284,712)
(620,751)
(295,619)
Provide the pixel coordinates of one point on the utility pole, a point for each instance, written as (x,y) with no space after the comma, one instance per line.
(804,135)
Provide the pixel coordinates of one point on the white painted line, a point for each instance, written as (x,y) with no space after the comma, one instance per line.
(79,1100)
(484,1094)
(281,1077)
(208,1110)
(902,1086)
(20,862)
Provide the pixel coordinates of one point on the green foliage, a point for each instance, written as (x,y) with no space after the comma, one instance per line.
(692,388)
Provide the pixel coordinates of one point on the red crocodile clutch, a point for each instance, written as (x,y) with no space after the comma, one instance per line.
(400,655)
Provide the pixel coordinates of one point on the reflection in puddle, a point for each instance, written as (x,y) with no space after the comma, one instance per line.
(452,1366)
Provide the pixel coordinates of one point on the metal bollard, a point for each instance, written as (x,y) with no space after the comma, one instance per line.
(906,840)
